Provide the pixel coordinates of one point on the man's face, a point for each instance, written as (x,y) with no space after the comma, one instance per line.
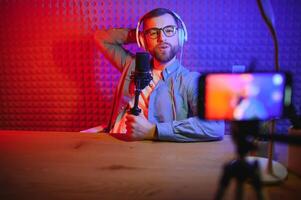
(160,46)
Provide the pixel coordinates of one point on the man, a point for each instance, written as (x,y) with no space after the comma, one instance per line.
(169,103)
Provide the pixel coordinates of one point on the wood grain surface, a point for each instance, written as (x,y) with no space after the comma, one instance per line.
(55,165)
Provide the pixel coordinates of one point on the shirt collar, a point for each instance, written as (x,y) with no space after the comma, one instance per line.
(170,69)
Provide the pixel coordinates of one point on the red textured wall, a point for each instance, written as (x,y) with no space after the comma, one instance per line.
(51,77)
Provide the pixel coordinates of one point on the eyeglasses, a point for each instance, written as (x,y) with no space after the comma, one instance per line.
(168,31)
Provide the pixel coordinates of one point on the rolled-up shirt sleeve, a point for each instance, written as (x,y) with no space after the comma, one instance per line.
(110,42)
(193,128)
(190,130)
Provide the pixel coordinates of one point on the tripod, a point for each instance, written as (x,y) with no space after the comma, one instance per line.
(239,169)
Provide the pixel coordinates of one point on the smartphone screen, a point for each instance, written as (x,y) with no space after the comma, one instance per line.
(244,96)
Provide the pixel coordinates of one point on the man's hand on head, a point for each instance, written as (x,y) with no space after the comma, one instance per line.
(139,127)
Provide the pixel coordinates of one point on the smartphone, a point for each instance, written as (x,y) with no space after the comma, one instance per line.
(244,96)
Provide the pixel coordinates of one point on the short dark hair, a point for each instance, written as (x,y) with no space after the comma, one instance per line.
(159,12)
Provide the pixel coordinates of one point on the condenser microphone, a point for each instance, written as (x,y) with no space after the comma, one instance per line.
(141,77)
(142,62)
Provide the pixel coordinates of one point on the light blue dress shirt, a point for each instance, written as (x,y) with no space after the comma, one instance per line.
(173,104)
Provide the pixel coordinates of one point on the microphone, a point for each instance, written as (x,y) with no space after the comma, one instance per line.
(142,62)
(141,77)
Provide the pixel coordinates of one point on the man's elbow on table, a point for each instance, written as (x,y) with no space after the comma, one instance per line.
(217,131)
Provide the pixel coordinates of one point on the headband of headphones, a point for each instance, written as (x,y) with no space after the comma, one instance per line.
(183,36)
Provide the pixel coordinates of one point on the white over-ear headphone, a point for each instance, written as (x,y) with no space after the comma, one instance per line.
(182,31)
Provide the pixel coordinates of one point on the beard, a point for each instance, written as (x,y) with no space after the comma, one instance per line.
(164,52)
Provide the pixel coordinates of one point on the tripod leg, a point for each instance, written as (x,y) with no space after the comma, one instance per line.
(256,181)
(239,190)
(224,182)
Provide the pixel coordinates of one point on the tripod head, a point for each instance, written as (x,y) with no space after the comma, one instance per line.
(243,134)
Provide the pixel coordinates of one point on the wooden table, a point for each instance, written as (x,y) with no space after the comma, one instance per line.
(52,165)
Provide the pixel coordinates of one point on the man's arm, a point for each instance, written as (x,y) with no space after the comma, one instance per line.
(193,128)
(190,130)
(110,42)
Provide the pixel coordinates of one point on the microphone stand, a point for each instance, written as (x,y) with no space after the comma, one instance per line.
(142,79)
(136,110)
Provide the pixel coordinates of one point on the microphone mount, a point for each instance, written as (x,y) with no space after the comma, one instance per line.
(142,79)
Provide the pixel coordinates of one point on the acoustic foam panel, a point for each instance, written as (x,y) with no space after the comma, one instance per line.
(52,77)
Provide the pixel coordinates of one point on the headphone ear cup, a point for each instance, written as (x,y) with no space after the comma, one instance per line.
(181,37)
(141,41)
